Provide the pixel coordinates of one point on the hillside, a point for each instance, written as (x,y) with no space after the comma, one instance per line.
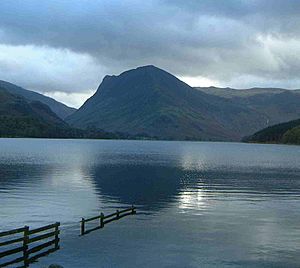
(288,132)
(152,101)
(243,93)
(60,109)
(19,118)
(292,136)
(276,105)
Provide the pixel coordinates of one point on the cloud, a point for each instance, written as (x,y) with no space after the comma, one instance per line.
(46,69)
(74,99)
(226,42)
(195,81)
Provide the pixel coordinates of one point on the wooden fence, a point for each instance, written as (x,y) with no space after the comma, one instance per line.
(26,243)
(105,219)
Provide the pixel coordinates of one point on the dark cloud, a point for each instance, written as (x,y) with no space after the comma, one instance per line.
(220,40)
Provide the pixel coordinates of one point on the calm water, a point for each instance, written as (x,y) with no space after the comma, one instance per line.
(199,204)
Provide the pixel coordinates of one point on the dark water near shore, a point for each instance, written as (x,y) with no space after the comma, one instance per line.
(199,204)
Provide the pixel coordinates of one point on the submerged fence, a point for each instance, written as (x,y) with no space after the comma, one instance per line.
(24,246)
(26,243)
(105,219)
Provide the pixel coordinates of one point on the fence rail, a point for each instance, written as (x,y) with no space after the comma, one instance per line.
(27,243)
(105,219)
(14,231)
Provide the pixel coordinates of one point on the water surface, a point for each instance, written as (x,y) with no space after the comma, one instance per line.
(199,204)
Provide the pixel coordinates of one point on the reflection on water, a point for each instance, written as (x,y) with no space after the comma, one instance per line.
(200,204)
(152,187)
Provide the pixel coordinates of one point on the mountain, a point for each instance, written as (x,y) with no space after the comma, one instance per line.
(148,102)
(288,132)
(276,105)
(60,109)
(152,101)
(243,93)
(20,118)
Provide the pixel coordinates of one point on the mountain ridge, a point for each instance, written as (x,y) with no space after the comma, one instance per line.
(150,100)
(59,108)
(20,118)
(228,92)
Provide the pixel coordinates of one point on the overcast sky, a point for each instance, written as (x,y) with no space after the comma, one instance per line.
(65,47)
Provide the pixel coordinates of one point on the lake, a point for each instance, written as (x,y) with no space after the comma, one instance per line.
(199,204)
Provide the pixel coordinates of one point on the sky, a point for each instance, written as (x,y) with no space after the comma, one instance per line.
(64,48)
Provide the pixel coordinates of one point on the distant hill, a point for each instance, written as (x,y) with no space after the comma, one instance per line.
(60,109)
(20,118)
(288,132)
(275,105)
(152,101)
(243,93)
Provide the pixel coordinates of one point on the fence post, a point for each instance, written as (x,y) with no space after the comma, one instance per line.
(118,214)
(101,220)
(82,226)
(132,210)
(56,236)
(25,246)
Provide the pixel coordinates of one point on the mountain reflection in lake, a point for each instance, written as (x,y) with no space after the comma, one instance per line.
(199,204)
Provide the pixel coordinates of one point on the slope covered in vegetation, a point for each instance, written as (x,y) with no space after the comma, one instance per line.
(288,133)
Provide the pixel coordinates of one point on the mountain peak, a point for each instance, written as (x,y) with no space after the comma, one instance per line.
(140,79)
(148,67)
(152,101)
(143,69)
